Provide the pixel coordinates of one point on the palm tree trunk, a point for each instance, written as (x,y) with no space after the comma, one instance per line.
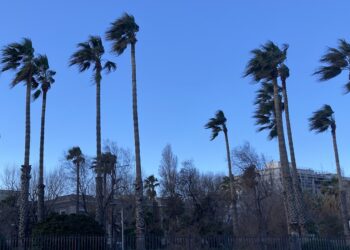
(25,171)
(105,197)
(41,186)
(140,223)
(288,192)
(114,183)
(105,184)
(342,191)
(300,205)
(78,189)
(99,196)
(232,189)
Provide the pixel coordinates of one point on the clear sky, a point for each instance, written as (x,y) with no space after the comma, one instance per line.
(190,60)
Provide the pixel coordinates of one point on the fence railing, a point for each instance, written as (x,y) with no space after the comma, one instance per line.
(175,243)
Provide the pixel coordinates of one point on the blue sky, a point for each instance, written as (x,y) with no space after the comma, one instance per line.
(190,60)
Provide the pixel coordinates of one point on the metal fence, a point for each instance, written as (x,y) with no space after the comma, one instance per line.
(175,243)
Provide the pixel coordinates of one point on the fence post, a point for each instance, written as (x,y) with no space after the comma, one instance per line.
(295,242)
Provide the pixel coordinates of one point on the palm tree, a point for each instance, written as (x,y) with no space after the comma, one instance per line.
(321,121)
(218,124)
(150,185)
(90,53)
(122,33)
(45,77)
(77,158)
(337,60)
(107,165)
(300,205)
(19,57)
(263,66)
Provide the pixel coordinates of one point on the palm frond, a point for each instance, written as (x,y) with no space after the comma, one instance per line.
(75,155)
(283,71)
(43,74)
(216,124)
(110,66)
(344,47)
(264,113)
(35,83)
(265,62)
(322,119)
(36,94)
(328,72)
(22,74)
(10,57)
(122,32)
(89,54)
(336,60)
(19,57)
(107,163)
(347,88)
(334,57)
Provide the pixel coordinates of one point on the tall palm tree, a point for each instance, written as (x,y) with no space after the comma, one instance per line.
(321,121)
(45,77)
(337,60)
(263,66)
(299,200)
(90,53)
(122,33)
(19,57)
(77,158)
(218,124)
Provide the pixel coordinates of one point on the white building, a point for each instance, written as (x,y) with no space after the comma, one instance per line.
(311,181)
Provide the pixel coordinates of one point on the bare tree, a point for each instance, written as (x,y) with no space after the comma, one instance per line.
(168,172)
(9,210)
(87,184)
(254,187)
(124,168)
(56,183)
(10,178)
(189,182)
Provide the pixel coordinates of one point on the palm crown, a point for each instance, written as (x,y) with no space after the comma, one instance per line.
(265,62)
(150,185)
(90,53)
(217,124)
(122,32)
(108,162)
(336,60)
(323,119)
(20,57)
(76,156)
(283,72)
(44,75)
